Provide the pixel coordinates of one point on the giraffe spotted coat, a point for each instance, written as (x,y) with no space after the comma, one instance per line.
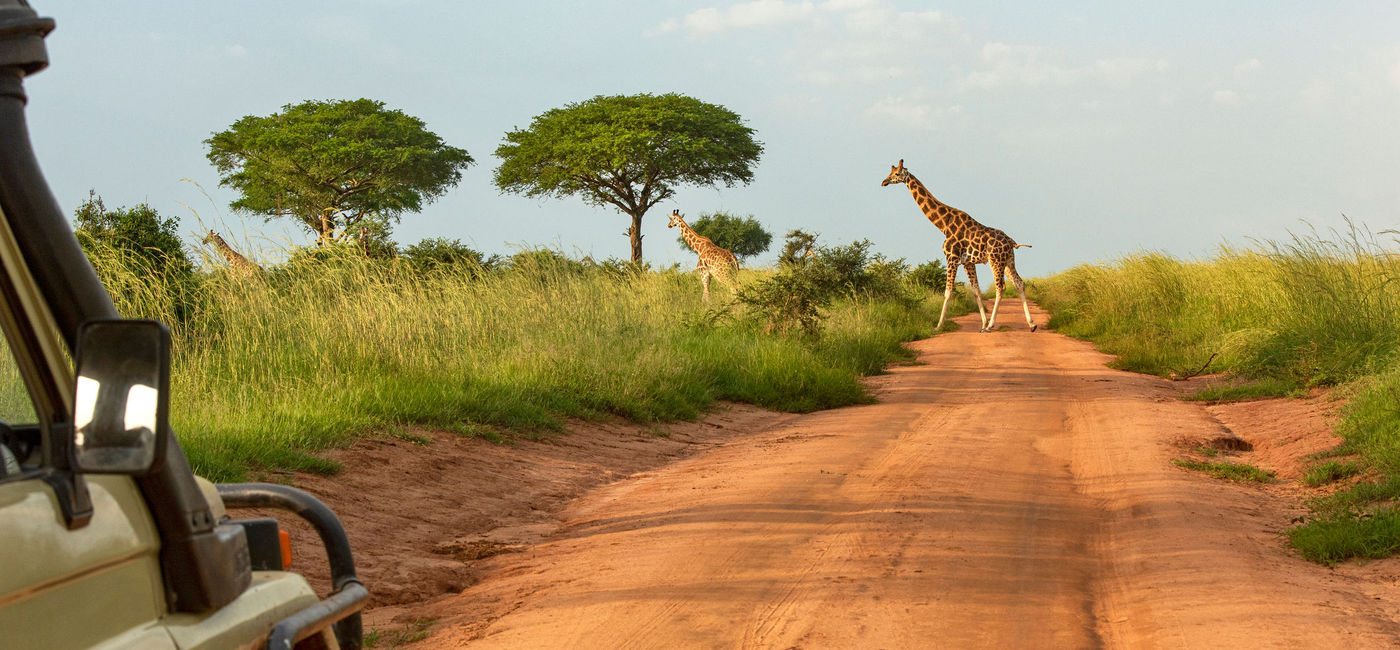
(714,260)
(967,243)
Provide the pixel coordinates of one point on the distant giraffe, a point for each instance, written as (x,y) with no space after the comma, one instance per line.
(714,260)
(968,243)
(236,261)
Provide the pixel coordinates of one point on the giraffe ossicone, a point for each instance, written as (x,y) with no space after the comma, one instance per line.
(967,243)
(714,260)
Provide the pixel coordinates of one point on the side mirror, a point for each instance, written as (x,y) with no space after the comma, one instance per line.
(121,402)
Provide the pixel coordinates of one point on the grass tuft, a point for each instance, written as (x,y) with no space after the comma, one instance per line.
(1263,388)
(1240,472)
(1330,472)
(1330,540)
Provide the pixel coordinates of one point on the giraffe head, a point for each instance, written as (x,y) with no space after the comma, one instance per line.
(209,238)
(898,174)
(676,218)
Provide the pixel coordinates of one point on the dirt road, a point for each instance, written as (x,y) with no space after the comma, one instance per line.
(1010,491)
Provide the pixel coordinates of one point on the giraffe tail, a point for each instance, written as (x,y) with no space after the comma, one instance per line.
(1022,246)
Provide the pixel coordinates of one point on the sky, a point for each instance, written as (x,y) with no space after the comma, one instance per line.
(1090,130)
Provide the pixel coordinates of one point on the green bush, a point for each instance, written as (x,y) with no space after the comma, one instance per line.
(439,253)
(798,245)
(140,232)
(929,275)
(791,299)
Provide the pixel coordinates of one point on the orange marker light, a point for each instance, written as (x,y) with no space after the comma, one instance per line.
(286,540)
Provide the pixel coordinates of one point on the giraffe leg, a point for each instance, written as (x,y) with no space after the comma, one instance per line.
(705,281)
(947,293)
(998,279)
(1021,289)
(977,293)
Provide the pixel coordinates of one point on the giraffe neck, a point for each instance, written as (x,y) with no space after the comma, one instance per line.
(692,239)
(231,255)
(944,217)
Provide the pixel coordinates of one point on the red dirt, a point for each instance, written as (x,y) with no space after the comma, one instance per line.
(420,515)
(1011,491)
(1284,432)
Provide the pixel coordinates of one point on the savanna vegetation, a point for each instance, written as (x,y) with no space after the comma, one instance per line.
(1317,310)
(332,344)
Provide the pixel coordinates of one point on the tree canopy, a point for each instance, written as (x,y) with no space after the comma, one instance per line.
(627,151)
(335,166)
(742,236)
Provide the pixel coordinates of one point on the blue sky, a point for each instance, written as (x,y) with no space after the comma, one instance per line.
(1087,129)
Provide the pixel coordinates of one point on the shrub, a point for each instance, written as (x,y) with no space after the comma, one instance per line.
(929,275)
(853,270)
(440,253)
(140,232)
(792,298)
(796,247)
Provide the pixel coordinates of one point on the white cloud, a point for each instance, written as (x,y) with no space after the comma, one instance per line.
(665,27)
(865,18)
(710,21)
(909,112)
(1122,71)
(1246,67)
(1226,98)
(848,5)
(880,19)
(1025,66)
(236,50)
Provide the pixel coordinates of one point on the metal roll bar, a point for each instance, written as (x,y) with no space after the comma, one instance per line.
(348,595)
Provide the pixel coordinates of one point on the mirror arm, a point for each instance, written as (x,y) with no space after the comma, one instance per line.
(68,485)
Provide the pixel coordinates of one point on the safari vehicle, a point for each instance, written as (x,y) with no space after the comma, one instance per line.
(107,539)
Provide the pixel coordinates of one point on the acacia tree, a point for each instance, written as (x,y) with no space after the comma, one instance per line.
(335,166)
(742,236)
(627,151)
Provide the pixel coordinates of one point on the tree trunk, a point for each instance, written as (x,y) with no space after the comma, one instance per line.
(635,235)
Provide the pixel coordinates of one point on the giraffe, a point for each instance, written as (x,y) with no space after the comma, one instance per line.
(237,262)
(967,243)
(714,260)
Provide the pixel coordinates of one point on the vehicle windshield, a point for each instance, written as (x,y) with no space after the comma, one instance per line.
(16,411)
(15,405)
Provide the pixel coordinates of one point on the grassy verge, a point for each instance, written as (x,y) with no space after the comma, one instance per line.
(271,369)
(1266,387)
(1284,316)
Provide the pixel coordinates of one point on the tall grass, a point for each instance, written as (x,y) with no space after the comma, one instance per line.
(1313,311)
(1310,311)
(270,369)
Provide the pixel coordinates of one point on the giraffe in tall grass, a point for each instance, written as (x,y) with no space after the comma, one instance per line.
(236,261)
(714,260)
